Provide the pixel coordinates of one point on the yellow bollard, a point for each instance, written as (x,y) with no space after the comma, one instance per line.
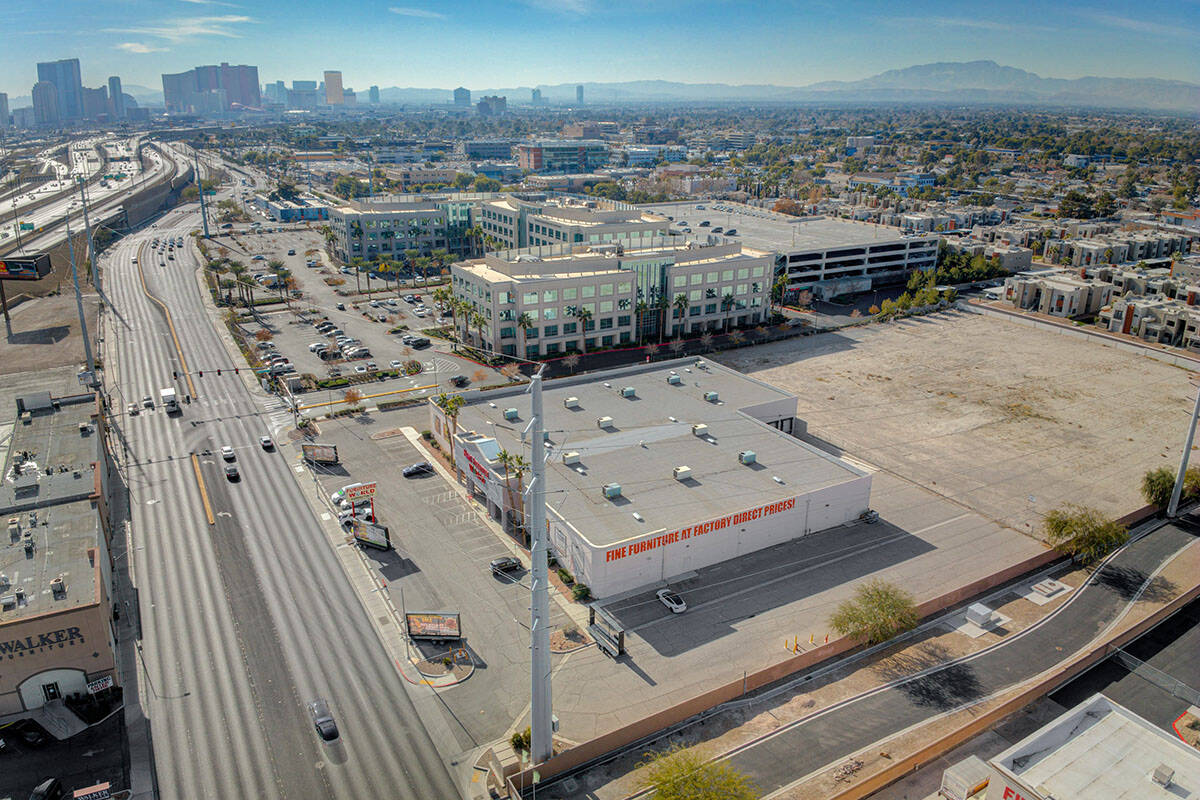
(810,638)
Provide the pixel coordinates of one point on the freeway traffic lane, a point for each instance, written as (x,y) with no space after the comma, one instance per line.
(821,740)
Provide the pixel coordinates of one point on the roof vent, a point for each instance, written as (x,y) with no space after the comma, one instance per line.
(700,364)
(28,539)
(58,586)
(700,429)
(682,473)
(604,422)
(747,457)
(3,581)
(612,490)
(674,380)
(510,414)
(571,402)
(570,458)
(629,391)
(1163,775)
(8,602)
(711,397)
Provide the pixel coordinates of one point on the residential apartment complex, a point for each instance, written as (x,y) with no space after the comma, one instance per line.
(551,300)
(580,155)
(525,220)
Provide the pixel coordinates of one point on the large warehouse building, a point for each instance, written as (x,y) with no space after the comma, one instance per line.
(657,470)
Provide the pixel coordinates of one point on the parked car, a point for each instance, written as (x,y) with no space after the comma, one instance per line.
(347,517)
(396,364)
(315,346)
(361,369)
(460,380)
(337,497)
(323,721)
(292,251)
(671,600)
(341,306)
(731,232)
(420,468)
(506,564)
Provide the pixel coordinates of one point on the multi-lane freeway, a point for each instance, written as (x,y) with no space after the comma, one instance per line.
(249,617)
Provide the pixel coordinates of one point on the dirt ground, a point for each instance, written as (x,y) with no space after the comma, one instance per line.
(45,333)
(1006,419)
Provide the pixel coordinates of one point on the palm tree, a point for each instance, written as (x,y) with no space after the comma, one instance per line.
(506,460)
(520,465)
(247,284)
(584,316)
(524,323)
(682,305)
(640,315)
(662,303)
(228,285)
(475,235)
(439,257)
(356,264)
(422,266)
(478,320)
(727,303)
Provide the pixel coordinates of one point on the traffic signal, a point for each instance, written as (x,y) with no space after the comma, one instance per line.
(175,374)
(200,373)
(218,372)
(235,370)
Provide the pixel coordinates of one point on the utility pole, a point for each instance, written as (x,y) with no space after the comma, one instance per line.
(87,345)
(1173,506)
(542,733)
(87,229)
(200,186)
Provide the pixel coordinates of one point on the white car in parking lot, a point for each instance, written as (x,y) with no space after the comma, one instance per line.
(396,364)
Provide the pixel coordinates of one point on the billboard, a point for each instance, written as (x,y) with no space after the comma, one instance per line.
(320,453)
(361,491)
(371,534)
(433,625)
(25,268)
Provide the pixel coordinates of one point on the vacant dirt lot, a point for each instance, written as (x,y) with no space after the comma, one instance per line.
(45,333)
(1006,419)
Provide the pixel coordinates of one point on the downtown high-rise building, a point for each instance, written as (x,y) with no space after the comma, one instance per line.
(116,99)
(579,94)
(68,85)
(535,97)
(212,89)
(95,103)
(3,110)
(462,97)
(335,94)
(45,103)
(373,95)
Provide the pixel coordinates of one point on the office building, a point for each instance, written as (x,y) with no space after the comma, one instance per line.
(385,227)
(116,98)
(56,612)
(492,105)
(579,94)
(462,97)
(24,118)
(725,286)
(373,95)
(581,130)
(45,103)
(499,149)
(334,92)
(635,457)
(178,89)
(535,97)
(531,219)
(349,97)
(826,256)
(3,110)
(553,155)
(65,77)
(211,89)
(304,95)
(95,103)
(856,143)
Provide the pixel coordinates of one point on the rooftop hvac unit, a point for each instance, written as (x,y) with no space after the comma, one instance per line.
(612,490)
(700,429)
(674,380)
(8,602)
(712,397)
(28,540)
(510,414)
(571,402)
(682,473)
(3,581)
(604,422)
(700,364)
(629,391)
(747,457)
(58,586)
(571,458)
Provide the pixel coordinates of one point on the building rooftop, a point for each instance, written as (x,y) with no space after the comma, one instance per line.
(651,434)
(780,233)
(1101,749)
(48,480)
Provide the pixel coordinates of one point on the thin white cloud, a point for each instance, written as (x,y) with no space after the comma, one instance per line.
(211,3)
(185,28)
(138,47)
(954,22)
(1110,20)
(409,11)
(562,6)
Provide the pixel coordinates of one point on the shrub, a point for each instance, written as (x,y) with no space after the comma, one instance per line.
(581,592)
(521,740)
(427,435)
(447,662)
(565,576)
(682,773)
(1157,485)
(1083,533)
(878,611)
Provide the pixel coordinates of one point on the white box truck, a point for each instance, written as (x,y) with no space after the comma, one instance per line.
(169,400)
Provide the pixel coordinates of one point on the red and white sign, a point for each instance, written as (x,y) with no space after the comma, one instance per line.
(362,490)
(100,684)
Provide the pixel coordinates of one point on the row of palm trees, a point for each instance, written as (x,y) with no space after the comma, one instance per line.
(245,284)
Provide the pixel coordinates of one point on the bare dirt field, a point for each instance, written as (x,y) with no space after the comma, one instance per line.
(45,333)
(1006,419)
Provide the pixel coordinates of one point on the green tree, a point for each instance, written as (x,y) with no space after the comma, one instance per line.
(1076,205)
(1083,533)
(682,773)
(1157,485)
(681,305)
(1106,205)
(483,183)
(878,611)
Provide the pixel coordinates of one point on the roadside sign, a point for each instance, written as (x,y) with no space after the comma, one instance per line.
(433,625)
(25,268)
(100,684)
(101,791)
(360,491)
(26,226)
(320,453)
(371,534)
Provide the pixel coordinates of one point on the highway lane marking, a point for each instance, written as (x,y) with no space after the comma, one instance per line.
(187,373)
(208,512)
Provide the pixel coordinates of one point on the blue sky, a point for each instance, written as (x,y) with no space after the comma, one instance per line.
(502,43)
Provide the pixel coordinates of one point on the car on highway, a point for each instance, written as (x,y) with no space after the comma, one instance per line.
(231,472)
(228,454)
(671,600)
(500,566)
(419,468)
(134,410)
(148,401)
(323,721)
(266,443)
(460,380)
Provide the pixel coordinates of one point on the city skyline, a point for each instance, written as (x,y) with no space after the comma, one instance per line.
(140,40)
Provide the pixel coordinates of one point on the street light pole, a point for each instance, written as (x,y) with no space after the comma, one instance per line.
(542,732)
(87,229)
(87,345)
(1173,506)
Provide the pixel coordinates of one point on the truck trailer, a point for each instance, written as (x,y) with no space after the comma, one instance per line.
(169,400)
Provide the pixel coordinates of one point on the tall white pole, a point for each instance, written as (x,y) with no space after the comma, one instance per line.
(87,345)
(542,734)
(87,230)
(1173,506)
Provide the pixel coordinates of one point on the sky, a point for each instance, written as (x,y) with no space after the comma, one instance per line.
(484,44)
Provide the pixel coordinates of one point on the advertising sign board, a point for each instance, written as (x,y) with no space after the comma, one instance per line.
(320,453)
(361,491)
(100,684)
(25,268)
(433,625)
(371,534)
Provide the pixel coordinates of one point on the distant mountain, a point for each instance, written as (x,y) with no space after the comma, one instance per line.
(972,82)
(143,94)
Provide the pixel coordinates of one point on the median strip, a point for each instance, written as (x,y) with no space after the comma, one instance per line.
(187,373)
(203,490)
